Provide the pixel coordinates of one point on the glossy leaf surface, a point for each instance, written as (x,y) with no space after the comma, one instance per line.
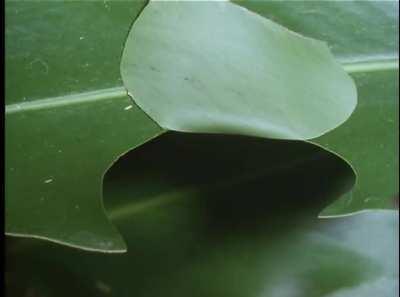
(363,36)
(218,242)
(186,210)
(226,216)
(369,141)
(54,180)
(59,144)
(355,31)
(57,48)
(214,67)
(370,57)
(36,132)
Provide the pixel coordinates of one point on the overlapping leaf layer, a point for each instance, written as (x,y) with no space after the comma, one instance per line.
(230,206)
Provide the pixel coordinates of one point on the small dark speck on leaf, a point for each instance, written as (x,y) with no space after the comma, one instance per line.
(238,92)
(154,68)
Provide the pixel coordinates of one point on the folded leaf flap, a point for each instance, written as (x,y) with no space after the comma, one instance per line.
(215,67)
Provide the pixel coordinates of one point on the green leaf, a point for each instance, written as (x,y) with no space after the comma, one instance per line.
(369,140)
(54,180)
(362,36)
(82,110)
(214,67)
(68,118)
(226,241)
(355,31)
(58,48)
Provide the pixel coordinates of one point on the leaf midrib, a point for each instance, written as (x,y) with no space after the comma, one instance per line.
(115,92)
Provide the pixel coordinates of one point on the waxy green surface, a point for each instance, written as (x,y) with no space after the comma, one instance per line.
(221,103)
(68,96)
(68,118)
(363,36)
(213,242)
(195,67)
(54,179)
(58,48)
(202,215)
(355,31)
(369,140)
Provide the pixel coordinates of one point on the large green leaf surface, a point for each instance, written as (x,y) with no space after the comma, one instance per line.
(201,214)
(60,200)
(68,124)
(217,68)
(370,140)
(355,31)
(68,118)
(363,36)
(219,240)
(57,48)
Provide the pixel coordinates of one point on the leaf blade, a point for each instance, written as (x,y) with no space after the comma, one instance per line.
(236,83)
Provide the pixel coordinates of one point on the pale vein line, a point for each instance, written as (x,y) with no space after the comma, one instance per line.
(371,66)
(99,95)
(106,94)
